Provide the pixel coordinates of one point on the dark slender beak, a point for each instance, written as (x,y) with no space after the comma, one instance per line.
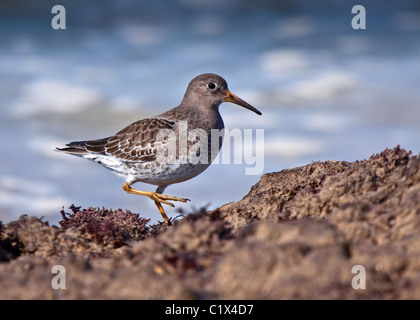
(230,97)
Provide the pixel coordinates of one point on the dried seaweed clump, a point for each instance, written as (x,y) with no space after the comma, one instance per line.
(392,158)
(107,226)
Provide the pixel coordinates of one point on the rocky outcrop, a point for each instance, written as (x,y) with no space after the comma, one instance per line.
(297,234)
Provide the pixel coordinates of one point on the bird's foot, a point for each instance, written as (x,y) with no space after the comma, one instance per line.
(161,198)
(158,198)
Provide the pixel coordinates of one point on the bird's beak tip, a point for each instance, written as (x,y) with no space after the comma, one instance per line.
(230,97)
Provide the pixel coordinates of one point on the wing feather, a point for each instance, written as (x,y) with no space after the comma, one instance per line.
(137,142)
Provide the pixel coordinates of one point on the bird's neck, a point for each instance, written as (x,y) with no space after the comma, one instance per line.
(196,117)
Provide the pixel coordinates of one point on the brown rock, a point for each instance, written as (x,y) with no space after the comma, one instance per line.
(296,235)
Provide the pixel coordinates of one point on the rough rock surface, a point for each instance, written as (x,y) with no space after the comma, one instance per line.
(296,235)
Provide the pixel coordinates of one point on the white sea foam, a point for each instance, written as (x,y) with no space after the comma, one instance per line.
(292,147)
(34,195)
(324,122)
(141,35)
(319,86)
(54,96)
(280,61)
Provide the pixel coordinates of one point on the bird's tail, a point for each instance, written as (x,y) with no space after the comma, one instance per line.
(82,148)
(76,148)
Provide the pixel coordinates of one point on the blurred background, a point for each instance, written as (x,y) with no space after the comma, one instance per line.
(326,91)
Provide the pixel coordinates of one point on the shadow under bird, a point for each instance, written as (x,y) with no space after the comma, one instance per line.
(133,153)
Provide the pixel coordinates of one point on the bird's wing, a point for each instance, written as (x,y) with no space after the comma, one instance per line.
(138,142)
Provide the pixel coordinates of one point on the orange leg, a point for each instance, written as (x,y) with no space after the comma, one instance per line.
(157,198)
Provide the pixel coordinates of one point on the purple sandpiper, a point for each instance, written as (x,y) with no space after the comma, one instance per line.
(133,153)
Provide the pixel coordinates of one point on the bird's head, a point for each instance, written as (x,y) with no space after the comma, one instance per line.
(210,90)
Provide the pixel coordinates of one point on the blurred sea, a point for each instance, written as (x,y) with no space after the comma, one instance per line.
(326,91)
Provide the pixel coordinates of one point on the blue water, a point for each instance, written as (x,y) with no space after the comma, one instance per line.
(326,91)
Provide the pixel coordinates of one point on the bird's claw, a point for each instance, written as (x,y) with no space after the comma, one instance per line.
(161,198)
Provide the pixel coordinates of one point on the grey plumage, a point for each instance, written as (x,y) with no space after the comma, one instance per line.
(133,152)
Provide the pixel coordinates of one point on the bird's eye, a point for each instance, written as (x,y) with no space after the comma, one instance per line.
(211,86)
